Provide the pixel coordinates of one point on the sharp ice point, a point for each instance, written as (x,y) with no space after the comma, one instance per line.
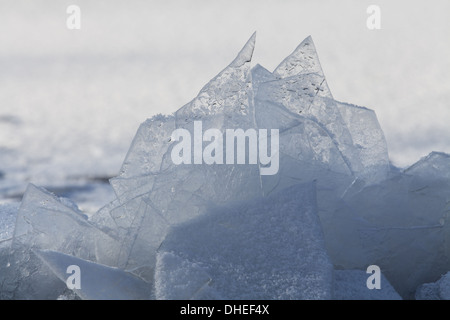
(245,55)
(303,59)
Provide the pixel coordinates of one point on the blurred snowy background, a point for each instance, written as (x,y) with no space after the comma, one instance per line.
(72,100)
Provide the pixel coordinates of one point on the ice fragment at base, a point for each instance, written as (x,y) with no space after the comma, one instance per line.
(45,222)
(268,248)
(439,290)
(352,285)
(402,221)
(96,281)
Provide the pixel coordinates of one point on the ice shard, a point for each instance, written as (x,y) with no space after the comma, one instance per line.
(352,285)
(197,229)
(96,281)
(267,248)
(439,290)
(368,140)
(181,192)
(45,222)
(297,93)
(226,96)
